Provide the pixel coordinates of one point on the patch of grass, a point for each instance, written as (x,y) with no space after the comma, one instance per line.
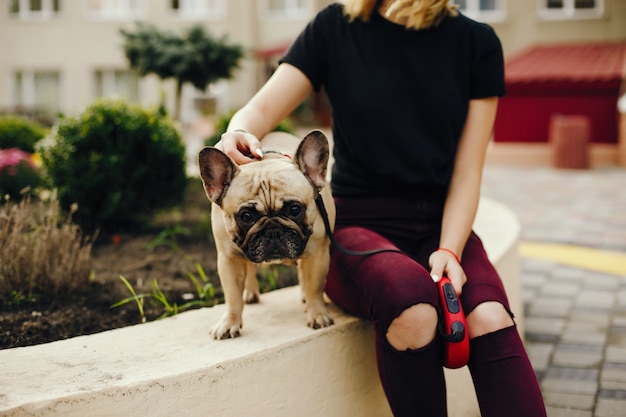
(205,296)
(273,277)
(137,298)
(167,237)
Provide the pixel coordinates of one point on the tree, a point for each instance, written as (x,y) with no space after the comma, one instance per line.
(196,57)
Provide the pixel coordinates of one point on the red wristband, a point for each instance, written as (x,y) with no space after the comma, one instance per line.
(452,253)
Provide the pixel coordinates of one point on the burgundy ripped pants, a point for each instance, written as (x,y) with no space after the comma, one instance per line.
(380,286)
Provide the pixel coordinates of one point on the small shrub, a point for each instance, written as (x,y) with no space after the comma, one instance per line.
(120,163)
(18,172)
(42,255)
(19,132)
(222,124)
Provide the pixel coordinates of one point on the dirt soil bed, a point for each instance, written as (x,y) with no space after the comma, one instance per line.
(89,310)
(141,259)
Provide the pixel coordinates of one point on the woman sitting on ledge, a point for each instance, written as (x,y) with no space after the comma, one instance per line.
(413,86)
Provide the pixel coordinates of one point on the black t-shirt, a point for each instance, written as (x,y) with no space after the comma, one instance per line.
(399,97)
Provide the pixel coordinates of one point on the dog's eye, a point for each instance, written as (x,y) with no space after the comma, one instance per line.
(246,217)
(295,210)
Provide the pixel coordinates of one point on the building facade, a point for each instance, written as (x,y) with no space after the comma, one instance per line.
(60,55)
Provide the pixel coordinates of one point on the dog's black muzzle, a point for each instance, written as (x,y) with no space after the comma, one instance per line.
(275,243)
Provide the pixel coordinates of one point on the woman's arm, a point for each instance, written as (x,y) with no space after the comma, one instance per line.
(464,192)
(278,97)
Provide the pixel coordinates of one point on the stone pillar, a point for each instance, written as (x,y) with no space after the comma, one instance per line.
(569,137)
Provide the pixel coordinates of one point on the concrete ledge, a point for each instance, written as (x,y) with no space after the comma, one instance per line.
(172,367)
(279,367)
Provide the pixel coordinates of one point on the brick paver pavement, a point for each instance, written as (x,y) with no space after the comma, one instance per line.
(575,318)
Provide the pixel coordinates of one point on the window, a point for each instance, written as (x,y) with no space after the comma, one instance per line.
(577,4)
(571,9)
(287,9)
(198,9)
(117,83)
(39,91)
(34,9)
(483,10)
(116,9)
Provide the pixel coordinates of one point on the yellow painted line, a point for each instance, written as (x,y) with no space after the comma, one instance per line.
(609,262)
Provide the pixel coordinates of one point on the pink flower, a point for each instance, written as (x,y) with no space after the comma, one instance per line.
(11,158)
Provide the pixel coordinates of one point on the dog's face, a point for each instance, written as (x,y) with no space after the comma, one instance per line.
(269,205)
(269,210)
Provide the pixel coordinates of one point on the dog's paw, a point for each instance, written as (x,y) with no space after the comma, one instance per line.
(317,320)
(220,332)
(227,328)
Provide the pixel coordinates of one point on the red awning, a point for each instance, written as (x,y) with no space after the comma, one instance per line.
(600,63)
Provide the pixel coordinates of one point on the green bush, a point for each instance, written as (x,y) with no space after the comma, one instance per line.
(17,172)
(19,132)
(224,120)
(120,163)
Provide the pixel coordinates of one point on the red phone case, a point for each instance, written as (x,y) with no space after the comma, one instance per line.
(453,327)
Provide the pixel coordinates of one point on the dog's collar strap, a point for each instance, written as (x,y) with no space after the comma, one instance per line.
(276,152)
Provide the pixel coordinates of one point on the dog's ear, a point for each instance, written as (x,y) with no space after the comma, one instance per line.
(312,157)
(217,171)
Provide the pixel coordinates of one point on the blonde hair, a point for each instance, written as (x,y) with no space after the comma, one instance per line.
(418,14)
